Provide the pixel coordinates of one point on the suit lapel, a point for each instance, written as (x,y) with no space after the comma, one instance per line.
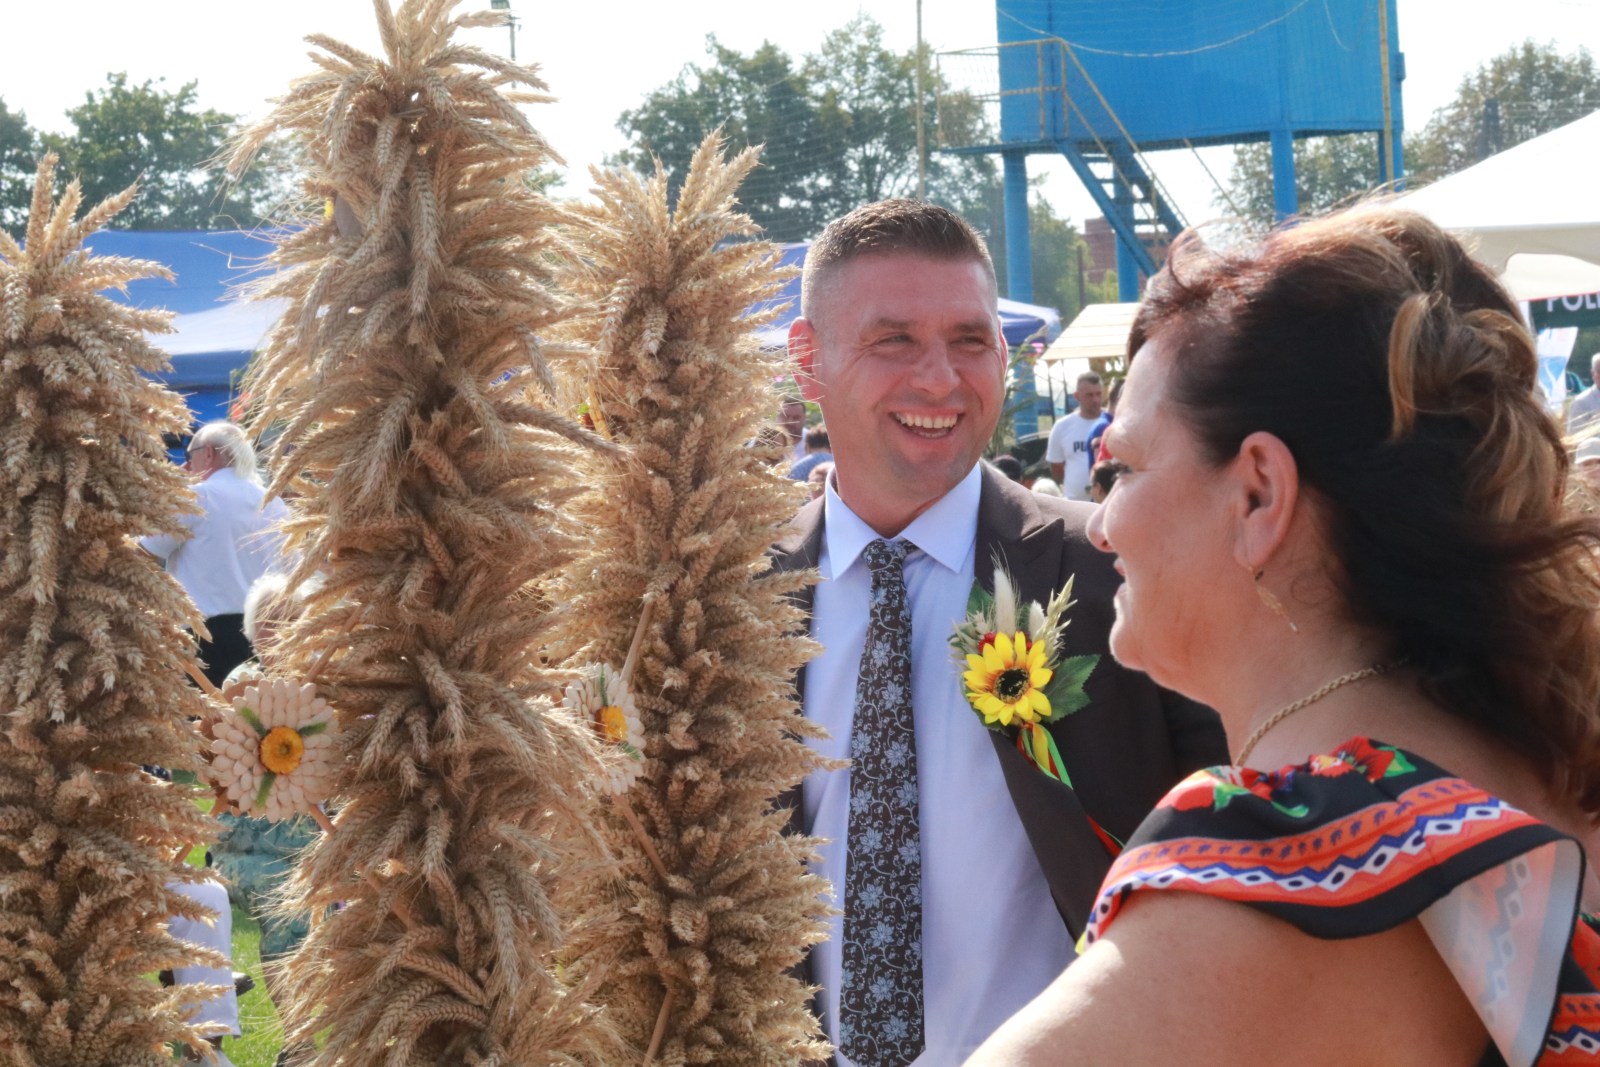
(1013,529)
(800,549)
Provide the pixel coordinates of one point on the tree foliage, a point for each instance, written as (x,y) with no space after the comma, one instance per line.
(1327,171)
(19,150)
(125,133)
(838,126)
(1534,88)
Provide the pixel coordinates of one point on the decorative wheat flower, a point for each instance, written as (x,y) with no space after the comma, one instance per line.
(714,905)
(272,754)
(90,631)
(601,697)
(431,491)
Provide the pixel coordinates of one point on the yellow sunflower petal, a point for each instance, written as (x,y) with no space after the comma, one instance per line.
(979,680)
(1040,677)
(992,659)
(1039,702)
(1036,655)
(989,704)
(976,662)
(1006,713)
(1007,652)
(1019,648)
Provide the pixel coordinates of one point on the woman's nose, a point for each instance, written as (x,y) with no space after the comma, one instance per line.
(1096,529)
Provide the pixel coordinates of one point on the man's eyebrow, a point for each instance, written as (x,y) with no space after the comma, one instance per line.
(890,324)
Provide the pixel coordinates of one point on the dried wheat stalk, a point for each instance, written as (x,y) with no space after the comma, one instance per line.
(431,492)
(684,523)
(91,635)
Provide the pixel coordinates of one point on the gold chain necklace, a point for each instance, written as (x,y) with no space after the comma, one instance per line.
(1304,702)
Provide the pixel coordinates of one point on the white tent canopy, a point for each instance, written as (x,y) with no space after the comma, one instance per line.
(1530,213)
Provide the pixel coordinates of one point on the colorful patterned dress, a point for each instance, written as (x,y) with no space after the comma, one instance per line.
(1360,841)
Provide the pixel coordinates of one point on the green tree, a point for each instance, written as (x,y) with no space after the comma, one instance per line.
(838,127)
(1327,171)
(1534,89)
(866,124)
(756,99)
(125,133)
(19,152)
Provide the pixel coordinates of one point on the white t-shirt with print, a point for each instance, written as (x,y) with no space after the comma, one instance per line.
(1069,446)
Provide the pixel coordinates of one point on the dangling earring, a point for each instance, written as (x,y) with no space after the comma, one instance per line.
(1271,601)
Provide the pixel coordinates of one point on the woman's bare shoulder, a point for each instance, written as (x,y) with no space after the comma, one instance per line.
(1186,978)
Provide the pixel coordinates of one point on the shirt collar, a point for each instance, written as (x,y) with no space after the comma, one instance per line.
(946,531)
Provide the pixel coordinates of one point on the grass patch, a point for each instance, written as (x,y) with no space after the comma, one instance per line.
(263,1033)
(258,1019)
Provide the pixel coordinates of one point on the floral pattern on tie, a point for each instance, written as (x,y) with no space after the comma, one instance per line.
(880,1004)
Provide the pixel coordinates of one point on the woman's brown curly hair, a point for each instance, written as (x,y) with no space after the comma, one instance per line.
(1403,380)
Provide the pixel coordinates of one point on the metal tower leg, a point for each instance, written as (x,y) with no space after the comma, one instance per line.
(1019,281)
(1285,195)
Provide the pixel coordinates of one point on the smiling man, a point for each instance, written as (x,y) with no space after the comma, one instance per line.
(963,872)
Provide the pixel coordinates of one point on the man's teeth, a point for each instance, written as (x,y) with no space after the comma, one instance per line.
(927,422)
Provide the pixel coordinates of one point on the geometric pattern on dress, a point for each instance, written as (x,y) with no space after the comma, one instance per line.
(1574,1036)
(880,1008)
(1258,871)
(1283,845)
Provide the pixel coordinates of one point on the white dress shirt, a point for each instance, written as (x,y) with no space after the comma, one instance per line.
(232,542)
(991,936)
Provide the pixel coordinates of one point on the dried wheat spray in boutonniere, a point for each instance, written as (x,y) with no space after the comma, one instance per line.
(432,486)
(714,904)
(91,642)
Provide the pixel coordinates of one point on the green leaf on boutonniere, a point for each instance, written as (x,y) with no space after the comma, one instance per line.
(1065,688)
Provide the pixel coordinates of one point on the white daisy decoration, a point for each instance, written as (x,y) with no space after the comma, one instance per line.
(273,754)
(602,698)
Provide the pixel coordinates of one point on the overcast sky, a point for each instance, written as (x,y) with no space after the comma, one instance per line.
(602,58)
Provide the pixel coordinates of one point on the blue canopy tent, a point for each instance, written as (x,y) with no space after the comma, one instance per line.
(1018,321)
(214,331)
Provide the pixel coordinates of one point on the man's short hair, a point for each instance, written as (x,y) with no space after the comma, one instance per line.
(887,227)
(1009,465)
(1089,377)
(817,437)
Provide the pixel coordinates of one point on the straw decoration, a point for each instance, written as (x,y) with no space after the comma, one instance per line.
(696,956)
(432,486)
(91,639)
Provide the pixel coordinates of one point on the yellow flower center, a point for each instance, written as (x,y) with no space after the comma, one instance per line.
(612,723)
(281,750)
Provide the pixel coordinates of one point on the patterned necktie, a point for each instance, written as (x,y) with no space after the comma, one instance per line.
(880,1004)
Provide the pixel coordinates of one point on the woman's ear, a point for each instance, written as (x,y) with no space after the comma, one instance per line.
(1268,487)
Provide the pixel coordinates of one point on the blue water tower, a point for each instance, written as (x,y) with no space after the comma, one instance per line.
(1103,83)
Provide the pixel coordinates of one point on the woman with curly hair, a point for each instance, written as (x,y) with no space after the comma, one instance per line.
(1340,520)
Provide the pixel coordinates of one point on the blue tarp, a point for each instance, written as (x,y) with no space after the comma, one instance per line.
(215,331)
(1018,321)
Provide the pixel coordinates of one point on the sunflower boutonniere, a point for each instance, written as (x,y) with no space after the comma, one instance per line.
(1013,671)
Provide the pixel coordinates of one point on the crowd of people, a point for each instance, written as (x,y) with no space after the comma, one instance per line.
(1332,791)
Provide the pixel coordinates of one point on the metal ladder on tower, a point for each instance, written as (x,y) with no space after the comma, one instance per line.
(1118,175)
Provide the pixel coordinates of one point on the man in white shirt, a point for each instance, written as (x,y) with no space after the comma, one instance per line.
(974,870)
(1067,451)
(1585,407)
(231,542)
